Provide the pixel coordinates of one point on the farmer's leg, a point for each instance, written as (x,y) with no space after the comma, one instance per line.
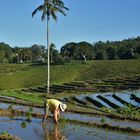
(58,114)
(55,115)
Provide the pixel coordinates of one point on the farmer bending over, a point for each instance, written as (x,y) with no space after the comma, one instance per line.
(54,106)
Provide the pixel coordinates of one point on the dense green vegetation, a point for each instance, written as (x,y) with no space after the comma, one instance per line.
(14,76)
(109,50)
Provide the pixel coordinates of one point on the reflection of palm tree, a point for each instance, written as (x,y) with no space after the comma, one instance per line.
(50,8)
(53,134)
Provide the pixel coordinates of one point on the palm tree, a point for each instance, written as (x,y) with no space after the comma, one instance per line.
(49,8)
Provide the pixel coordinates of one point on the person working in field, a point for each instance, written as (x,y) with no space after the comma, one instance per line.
(54,106)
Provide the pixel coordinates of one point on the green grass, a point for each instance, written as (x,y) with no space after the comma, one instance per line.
(16,76)
(35,98)
(111,69)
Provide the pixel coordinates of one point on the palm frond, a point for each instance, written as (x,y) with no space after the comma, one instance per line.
(39,8)
(50,8)
(43,16)
(53,15)
(60,4)
(60,10)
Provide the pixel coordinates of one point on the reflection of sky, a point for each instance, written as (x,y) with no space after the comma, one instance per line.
(20,107)
(125,95)
(35,131)
(94,96)
(97,119)
(110,98)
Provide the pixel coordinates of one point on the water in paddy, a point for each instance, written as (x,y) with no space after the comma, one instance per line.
(98,119)
(51,131)
(81,117)
(20,107)
(125,95)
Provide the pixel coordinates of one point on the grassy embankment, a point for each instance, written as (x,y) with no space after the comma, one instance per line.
(16,76)
(23,75)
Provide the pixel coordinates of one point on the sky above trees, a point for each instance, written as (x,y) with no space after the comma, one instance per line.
(87,20)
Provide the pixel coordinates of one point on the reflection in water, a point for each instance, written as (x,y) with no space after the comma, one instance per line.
(53,132)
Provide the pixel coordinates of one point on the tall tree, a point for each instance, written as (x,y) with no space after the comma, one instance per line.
(52,48)
(49,8)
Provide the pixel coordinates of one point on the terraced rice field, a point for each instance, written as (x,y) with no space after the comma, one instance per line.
(68,131)
(110,100)
(76,124)
(94,111)
(114,84)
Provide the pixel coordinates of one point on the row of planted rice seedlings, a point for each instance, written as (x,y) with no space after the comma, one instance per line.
(115,101)
(20,102)
(100,119)
(105,126)
(103,113)
(108,124)
(124,82)
(104,86)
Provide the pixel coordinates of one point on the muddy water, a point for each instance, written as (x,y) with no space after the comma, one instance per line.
(20,107)
(50,131)
(110,98)
(81,117)
(125,95)
(99,119)
(94,96)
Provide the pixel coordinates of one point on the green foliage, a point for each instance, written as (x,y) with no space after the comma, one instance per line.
(31,109)
(109,50)
(5,133)
(5,53)
(129,110)
(10,108)
(103,120)
(75,51)
(23,125)
(29,114)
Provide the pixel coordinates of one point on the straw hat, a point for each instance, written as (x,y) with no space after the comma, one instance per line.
(63,107)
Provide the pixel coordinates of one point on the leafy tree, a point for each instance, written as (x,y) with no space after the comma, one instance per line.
(52,48)
(49,8)
(69,50)
(76,51)
(5,53)
(100,54)
(86,49)
(37,52)
(111,53)
(2,56)
(125,53)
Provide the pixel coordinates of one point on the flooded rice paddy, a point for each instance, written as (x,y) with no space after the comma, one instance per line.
(81,117)
(70,131)
(62,131)
(124,95)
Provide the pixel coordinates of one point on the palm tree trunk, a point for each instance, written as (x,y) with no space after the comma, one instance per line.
(48,61)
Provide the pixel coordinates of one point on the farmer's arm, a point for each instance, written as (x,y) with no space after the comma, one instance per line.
(46,109)
(55,116)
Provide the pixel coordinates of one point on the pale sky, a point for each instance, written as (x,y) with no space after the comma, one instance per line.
(87,20)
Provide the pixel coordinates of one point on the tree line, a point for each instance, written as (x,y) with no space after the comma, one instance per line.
(109,50)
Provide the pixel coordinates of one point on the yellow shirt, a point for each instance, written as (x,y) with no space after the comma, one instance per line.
(52,104)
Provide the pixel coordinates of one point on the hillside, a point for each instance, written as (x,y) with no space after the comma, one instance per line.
(14,76)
